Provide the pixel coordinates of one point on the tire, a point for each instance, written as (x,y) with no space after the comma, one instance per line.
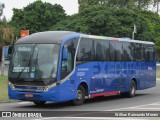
(39,103)
(132,92)
(80,96)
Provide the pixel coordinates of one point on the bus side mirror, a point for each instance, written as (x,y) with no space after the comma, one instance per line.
(65,53)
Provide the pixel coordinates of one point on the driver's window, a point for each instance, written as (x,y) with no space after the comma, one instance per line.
(68,55)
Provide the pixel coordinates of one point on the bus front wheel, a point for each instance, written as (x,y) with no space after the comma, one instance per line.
(39,103)
(80,96)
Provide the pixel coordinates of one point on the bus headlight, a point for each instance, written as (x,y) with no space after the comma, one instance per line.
(49,87)
(11,85)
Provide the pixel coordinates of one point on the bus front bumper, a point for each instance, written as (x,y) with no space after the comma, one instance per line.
(51,95)
(55,94)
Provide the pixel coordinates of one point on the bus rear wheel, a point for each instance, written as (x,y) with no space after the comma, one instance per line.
(132,92)
(80,96)
(39,103)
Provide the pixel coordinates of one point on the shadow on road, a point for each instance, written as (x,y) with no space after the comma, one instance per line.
(62,105)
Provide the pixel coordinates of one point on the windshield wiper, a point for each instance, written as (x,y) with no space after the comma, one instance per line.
(37,65)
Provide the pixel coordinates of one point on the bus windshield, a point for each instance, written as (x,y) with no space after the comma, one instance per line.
(34,61)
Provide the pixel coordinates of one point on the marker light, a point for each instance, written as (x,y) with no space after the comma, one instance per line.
(11,85)
(47,88)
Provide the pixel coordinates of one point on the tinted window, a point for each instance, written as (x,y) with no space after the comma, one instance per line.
(101,50)
(139,52)
(111,46)
(128,51)
(85,50)
(116,51)
(149,53)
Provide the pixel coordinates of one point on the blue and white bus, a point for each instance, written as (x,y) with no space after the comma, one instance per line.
(68,66)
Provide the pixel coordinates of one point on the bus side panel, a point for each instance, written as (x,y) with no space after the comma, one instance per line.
(150,76)
(104,76)
(143,72)
(121,76)
(67,90)
(114,76)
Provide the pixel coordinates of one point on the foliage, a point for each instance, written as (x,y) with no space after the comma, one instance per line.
(6,34)
(37,16)
(157,43)
(131,4)
(2,6)
(111,21)
(99,17)
(6,31)
(154,26)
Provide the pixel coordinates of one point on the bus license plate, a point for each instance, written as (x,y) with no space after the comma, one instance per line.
(28,95)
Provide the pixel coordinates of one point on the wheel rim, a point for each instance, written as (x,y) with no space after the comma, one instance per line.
(79,94)
(132,90)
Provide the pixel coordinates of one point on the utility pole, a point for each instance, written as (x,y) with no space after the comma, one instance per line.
(134,31)
(157,6)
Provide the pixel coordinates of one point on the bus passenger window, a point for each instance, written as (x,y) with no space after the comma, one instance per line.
(128,50)
(101,50)
(149,53)
(139,52)
(116,51)
(85,50)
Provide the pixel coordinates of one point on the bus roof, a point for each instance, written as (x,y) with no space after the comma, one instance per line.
(45,37)
(115,39)
(59,36)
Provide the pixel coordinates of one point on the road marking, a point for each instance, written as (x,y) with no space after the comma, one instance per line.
(156,104)
(133,107)
(92,118)
(146,108)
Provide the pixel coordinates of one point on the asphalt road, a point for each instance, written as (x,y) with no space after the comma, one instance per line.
(112,103)
(145,100)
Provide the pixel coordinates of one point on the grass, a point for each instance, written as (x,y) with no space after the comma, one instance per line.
(3,89)
(158,75)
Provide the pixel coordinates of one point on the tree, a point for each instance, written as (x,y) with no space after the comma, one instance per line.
(131,4)
(6,36)
(157,44)
(111,21)
(156,4)
(85,3)
(2,6)
(37,16)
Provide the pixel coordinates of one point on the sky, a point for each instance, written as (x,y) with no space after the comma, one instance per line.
(70,6)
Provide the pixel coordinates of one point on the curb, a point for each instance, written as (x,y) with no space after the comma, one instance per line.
(157,78)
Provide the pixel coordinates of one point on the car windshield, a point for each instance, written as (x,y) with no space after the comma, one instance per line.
(38,61)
